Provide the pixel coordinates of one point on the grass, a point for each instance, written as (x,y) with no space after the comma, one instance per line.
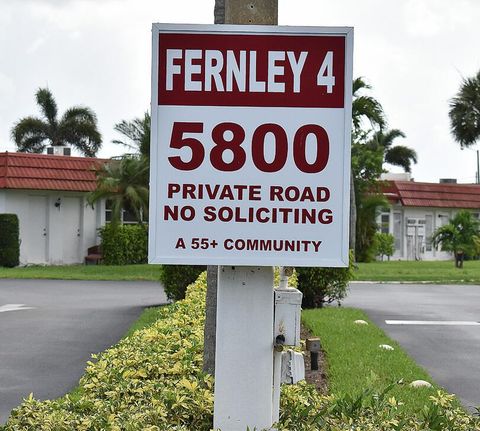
(419,271)
(403,271)
(85,272)
(356,362)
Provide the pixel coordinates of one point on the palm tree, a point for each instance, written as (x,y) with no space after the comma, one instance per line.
(77,128)
(465,112)
(364,108)
(398,155)
(124,183)
(138,132)
(460,236)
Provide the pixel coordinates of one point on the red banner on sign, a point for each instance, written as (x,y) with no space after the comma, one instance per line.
(251,70)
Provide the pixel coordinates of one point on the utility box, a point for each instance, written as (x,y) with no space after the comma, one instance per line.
(293,367)
(288,306)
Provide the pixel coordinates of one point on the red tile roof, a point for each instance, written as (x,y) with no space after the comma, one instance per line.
(46,172)
(412,194)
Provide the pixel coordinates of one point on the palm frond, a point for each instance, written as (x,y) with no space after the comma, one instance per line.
(367,108)
(30,134)
(79,114)
(359,83)
(81,134)
(401,156)
(465,112)
(47,104)
(138,132)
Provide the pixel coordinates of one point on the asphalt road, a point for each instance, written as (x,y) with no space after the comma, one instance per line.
(449,352)
(43,349)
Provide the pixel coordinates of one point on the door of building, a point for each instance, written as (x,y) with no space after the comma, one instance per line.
(415,238)
(71,207)
(34,243)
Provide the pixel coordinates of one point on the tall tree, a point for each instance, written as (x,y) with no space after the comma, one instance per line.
(137,131)
(465,112)
(77,128)
(372,146)
(365,109)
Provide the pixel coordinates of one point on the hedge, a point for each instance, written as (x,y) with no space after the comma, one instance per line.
(9,240)
(323,285)
(176,278)
(153,381)
(124,244)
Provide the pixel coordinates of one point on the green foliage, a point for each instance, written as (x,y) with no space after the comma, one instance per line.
(138,133)
(124,244)
(176,278)
(303,409)
(323,285)
(465,112)
(153,381)
(125,184)
(459,236)
(384,244)
(77,127)
(368,208)
(9,240)
(372,146)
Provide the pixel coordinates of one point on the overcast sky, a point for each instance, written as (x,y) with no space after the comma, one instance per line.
(97,53)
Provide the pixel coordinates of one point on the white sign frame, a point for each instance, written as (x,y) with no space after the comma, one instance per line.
(339,258)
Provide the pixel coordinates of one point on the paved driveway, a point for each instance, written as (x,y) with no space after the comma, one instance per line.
(43,349)
(437,325)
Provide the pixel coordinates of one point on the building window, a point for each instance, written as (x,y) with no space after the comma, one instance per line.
(428,232)
(126,217)
(385,223)
(397,230)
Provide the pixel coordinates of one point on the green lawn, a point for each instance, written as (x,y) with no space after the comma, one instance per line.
(85,272)
(423,271)
(420,271)
(356,362)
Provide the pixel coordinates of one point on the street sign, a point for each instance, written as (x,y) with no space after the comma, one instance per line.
(250,158)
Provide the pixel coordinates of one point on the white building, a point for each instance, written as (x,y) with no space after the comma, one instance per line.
(418,209)
(48,194)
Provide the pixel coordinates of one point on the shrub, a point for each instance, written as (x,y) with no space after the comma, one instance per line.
(323,285)
(124,244)
(9,240)
(153,381)
(384,245)
(176,278)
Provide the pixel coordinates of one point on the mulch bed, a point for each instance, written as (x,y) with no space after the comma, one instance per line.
(317,377)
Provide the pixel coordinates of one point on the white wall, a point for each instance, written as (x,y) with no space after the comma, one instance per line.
(52,234)
(2,201)
(439,217)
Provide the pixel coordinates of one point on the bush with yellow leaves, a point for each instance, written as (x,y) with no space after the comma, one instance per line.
(153,381)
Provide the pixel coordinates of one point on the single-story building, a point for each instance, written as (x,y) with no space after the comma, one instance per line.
(49,195)
(418,209)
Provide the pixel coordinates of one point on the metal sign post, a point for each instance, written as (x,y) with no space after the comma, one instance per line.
(250,168)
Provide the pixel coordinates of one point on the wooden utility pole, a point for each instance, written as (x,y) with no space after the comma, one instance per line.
(244,297)
(231,12)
